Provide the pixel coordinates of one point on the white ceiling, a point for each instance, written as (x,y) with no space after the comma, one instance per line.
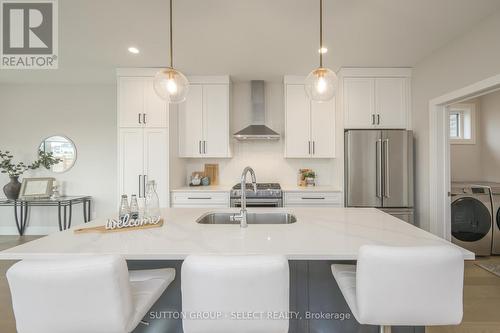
(249,39)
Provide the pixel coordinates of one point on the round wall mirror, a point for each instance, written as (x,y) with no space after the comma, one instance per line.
(61,147)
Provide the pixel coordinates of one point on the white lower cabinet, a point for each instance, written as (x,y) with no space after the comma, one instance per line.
(202,199)
(143,156)
(312,199)
(156,161)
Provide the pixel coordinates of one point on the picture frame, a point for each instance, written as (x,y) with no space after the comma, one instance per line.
(36,188)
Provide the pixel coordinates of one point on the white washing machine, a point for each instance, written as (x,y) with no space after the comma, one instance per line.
(472,217)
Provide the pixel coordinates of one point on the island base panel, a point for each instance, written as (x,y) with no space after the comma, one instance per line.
(314,295)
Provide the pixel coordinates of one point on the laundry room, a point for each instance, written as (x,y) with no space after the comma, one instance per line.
(474,136)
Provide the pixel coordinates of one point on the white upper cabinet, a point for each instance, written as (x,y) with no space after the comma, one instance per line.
(391,103)
(309,126)
(375,97)
(359,102)
(323,129)
(204,118)
(298,122)
(216,120)
(130,101)
(155,108)
(191,123)
(139,105)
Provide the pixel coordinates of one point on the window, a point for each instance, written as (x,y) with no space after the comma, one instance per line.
(462,119)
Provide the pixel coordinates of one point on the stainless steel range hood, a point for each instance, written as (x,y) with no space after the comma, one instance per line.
(257,130)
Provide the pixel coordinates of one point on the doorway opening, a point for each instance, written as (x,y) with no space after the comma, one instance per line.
(440,129)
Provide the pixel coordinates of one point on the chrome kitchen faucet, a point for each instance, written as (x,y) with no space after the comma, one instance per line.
(242,216)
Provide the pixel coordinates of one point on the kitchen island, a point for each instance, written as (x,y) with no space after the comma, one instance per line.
(318,234)
(319,237)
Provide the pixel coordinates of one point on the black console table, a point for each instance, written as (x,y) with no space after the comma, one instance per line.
(64,206)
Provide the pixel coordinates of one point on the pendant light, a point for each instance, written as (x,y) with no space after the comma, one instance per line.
(321,83)
(170,84)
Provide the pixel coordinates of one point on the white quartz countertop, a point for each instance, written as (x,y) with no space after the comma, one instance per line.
(318,234)
(319,188)
(209,188)
(285,188)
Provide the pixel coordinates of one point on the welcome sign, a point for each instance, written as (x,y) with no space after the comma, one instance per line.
(29,34)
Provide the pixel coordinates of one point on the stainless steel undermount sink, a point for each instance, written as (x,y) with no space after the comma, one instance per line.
(252,218)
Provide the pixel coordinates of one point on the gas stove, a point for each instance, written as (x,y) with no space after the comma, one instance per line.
(268,195)
(264,190)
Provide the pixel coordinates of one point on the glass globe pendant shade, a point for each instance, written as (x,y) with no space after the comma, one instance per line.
(171,85)
(321,84)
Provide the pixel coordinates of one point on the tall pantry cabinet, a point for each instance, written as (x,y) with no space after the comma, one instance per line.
(143,140)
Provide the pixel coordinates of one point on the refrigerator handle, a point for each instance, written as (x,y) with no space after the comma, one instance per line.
(379,168)
(387,175)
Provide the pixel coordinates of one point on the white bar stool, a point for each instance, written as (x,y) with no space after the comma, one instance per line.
(95,294)
(406,286)
(228,294)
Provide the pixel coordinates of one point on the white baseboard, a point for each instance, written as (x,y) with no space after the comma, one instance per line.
(41,230)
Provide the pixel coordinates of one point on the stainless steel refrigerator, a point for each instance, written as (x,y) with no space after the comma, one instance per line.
(379,171)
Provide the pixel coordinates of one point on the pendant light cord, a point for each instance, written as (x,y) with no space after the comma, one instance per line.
(320,33)
(171,39)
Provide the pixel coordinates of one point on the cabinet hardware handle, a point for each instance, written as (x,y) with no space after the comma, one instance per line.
(309,147)
(199,147)
(313,198)
(199,198)
(144,118)
(314,147)
(204,147)
(378,119)
(139,118)
(144,186)
(140,186)
(373,119)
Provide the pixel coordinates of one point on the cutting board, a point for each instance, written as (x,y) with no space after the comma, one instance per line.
(212,172)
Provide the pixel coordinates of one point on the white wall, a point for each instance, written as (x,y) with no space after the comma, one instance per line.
(490,136)
(480,161)
(266,157)
(84,113)
(470,58)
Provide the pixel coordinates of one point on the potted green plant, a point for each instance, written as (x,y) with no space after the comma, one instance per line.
(309,177)
(14,170)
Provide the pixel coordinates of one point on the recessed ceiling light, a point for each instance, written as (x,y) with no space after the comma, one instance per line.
(323,50)
(133,50)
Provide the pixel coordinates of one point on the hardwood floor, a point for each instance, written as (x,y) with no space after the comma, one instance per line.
(7,322)
(481,296)
(481,301)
